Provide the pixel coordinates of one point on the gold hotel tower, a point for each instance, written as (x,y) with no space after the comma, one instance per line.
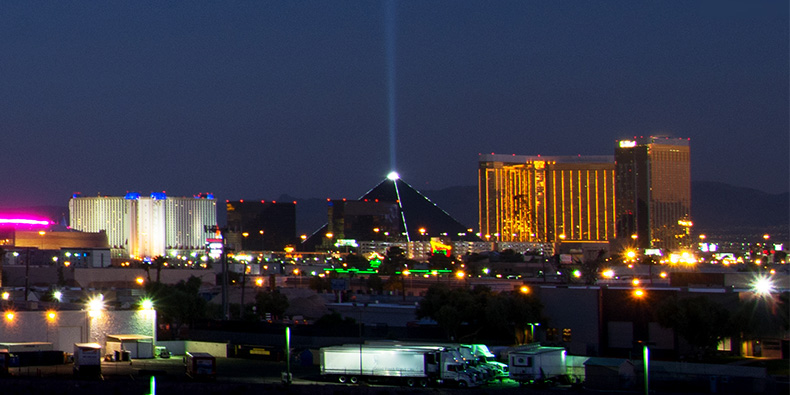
(546,199)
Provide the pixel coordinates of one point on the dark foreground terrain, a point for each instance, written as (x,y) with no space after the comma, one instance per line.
(234,376)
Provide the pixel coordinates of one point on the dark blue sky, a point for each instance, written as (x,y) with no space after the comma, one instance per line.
(252,99)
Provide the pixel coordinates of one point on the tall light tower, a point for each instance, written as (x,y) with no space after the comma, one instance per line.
(221,230)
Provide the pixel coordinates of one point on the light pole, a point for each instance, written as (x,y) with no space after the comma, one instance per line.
(532,326)
(287,376)
(404,275)
(646,357)
(216,229)
(359,307)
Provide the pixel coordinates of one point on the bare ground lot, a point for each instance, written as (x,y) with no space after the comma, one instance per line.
(234,376)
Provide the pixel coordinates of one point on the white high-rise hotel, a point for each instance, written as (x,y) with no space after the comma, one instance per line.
(147,226)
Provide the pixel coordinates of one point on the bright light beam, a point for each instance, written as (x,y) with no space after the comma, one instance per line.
(389,27)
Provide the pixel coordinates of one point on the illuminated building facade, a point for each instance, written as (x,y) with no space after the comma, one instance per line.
(261,225)
(146,226)
(546,199)
(654,192)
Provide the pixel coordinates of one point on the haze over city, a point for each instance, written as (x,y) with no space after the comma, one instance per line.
(318,99)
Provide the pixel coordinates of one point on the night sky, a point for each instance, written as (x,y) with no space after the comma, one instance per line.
(254,99)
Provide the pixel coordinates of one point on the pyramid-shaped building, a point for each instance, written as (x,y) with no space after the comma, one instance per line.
(394,211)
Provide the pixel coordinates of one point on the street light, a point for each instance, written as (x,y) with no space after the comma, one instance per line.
(763,286)
(95,305)
(532,326)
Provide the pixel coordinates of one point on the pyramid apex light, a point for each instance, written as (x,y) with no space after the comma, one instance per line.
(393,176)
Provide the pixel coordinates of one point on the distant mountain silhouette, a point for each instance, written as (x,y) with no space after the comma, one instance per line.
(716,208)
(716,204)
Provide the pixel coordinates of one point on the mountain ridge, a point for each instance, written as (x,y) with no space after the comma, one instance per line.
(717,208)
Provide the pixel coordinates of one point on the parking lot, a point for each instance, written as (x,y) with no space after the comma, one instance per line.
(234,376)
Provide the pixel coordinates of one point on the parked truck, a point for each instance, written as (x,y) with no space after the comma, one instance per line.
(480,367)
(410,366)
(200,365)
(87,359)
(533,364)
(488,360)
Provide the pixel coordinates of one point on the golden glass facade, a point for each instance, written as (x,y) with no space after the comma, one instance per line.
(546,199)
(654,191)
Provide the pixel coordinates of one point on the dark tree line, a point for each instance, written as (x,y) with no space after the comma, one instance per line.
(703,323)
(468,314)
(178,305)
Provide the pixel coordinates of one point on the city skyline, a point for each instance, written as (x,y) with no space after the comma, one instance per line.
(317,99)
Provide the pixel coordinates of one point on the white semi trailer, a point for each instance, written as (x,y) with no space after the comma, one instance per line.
(537,364)
(410,366)
(476,360)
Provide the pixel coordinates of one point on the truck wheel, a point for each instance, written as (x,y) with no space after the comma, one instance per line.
(462,384)
(410,382)
(341,379)
(423,383)
(353,380)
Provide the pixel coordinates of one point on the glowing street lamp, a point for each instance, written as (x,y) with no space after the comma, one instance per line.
(524,289)
(763,286)
(95,305)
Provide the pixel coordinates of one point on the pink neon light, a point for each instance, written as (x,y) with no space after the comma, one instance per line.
(23,221)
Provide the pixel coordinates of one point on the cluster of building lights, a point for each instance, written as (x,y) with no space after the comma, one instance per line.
(94,306)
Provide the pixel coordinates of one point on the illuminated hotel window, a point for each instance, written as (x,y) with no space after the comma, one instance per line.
(725,344)
(566,335)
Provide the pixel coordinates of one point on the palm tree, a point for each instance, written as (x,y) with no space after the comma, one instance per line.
(159,262)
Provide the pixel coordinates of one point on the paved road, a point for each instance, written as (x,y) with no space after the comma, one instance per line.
(234,376)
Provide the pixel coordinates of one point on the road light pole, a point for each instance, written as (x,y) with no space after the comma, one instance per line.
(216,229)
